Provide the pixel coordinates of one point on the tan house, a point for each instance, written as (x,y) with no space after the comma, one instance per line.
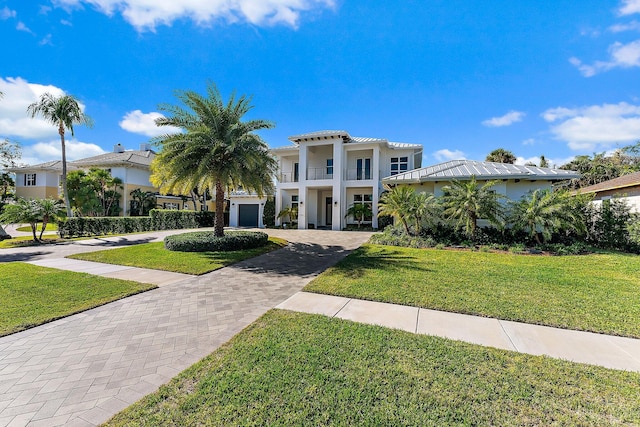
(131,166)
(626,187)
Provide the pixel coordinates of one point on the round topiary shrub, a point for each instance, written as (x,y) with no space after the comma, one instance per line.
(203,241)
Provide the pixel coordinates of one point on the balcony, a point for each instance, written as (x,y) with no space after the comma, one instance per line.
(288,177)
(314,174)
(358,174)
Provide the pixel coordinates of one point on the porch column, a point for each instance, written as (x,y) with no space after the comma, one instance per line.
(338,178)
(376,186)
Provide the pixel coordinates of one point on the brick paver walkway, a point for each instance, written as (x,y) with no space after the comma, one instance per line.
(83,369)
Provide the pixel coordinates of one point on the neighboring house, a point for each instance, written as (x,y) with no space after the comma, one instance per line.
(326,172)
(131,166)
(626,187)
(514,181)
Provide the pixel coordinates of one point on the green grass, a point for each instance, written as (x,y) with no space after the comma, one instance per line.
(309,370)
(23,241)
(50,227)
(32,295)
(598,292)
(155,256)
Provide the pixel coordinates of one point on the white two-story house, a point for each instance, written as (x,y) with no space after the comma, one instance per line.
(324,173)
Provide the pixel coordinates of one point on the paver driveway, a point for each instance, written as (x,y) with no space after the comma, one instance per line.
(83,369)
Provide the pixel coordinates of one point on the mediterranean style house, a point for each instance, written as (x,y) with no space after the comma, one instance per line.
(514,181)
(131,166)
(627,187)
(324,173)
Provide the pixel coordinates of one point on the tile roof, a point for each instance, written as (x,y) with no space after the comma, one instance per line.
(464,169)
(623,181)
(126,158)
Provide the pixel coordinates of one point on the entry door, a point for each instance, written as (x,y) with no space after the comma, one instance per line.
(329,210)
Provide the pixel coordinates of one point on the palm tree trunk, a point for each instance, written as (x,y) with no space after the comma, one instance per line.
(219,224)
(67,203)
(33,230)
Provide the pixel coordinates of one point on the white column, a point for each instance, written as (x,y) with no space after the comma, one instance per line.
(376,185)
(302,186)
(337,188)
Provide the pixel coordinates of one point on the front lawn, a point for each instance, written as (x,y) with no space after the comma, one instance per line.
(51,226)
(598,292)
(155,256)
(301,369)
(32,295)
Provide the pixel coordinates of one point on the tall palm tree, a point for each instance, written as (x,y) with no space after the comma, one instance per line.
(466,201)
(62,111)
(500,155)
(544,212)
(217,150)
(398,203)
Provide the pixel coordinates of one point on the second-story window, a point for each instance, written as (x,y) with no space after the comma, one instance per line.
(29,179)
(329,168)
(399,165)
(296,172)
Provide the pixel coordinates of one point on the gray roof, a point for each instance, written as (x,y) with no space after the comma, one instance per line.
(331,134)
(127,158)
(54,165)
(465,169)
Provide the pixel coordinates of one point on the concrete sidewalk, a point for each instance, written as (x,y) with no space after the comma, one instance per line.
(582,347)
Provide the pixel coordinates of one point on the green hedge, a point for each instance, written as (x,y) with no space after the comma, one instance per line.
(159,220)
(202,241)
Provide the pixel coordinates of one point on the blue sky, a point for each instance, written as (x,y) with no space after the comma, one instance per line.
(460,77)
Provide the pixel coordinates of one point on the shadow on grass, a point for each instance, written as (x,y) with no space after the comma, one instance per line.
(22,256)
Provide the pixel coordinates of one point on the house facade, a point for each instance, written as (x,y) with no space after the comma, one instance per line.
(131,166)
(626,187)
(513,181)
(324,173)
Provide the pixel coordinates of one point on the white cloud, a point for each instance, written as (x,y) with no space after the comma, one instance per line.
(629,26)
(46,40)
(629,7)
(6,13)
(508,119)
(22,27)
(41,152)
(529,141)
(596,127)
(446,154)
(145,124)
(146,14)
(621,56)
(18,95)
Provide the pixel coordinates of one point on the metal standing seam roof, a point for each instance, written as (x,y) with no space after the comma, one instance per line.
(330,134)
(465,169)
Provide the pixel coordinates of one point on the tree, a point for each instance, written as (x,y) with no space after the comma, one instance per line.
(397,202)
(359,211)
(500,155)
(63,111)
(94,193)
(49,210)
(544,212)
(216,150)
(143,201)
(22,211)
(290,212)
(466,201)
(544,163)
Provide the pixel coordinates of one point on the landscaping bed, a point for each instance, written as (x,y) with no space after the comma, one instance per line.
(33,295)
(300,369)
(597,292)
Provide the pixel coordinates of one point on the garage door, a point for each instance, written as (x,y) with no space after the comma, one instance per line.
(248,215)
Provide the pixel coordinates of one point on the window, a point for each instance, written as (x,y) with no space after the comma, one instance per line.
(363,169)
(29,179)
(171,205)
(329,168)
(294,201)
(366,199)
(399,165)
(296,172)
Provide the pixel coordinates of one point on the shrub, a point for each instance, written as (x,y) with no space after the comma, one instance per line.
(173,219)
(269,212)
(81,226)
(202,241)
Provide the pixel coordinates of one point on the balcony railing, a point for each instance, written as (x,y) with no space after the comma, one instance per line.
(358,174)
(288,177)
(314,174)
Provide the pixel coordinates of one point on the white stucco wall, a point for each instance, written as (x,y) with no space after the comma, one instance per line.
(234,210)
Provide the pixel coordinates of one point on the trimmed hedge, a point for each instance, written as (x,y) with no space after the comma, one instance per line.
(203,241)
(160,219)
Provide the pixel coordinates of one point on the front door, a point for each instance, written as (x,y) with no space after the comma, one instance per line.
(329,210)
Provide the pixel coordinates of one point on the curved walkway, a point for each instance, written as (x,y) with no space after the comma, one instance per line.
(83,369)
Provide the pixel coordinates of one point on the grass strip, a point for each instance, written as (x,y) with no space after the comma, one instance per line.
(309,370)
(33,295)
(598,292)
(155,256)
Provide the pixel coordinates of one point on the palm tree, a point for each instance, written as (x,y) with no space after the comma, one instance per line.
(144,201)
(289,212)
(544,212)
(397,202)
(466,201)
(500,155)
(217,150)
(22,211)
(64,112)
(359,211)
(49,210)
(424,206)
